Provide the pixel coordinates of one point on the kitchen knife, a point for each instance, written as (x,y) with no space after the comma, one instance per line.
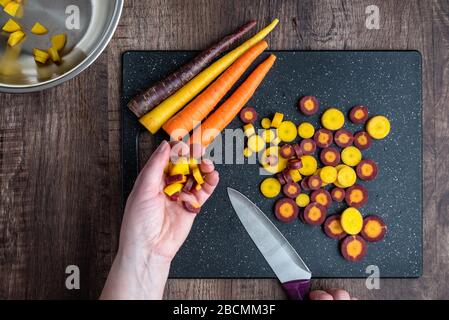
(285,262)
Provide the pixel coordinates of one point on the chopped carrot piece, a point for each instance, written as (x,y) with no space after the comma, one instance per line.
(277,120)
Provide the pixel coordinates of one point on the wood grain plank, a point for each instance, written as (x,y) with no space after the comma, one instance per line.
(54,188)
(60,149)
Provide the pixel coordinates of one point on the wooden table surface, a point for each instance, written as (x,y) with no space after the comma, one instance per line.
(60,149)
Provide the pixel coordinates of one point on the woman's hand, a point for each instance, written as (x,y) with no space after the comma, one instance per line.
(153,230)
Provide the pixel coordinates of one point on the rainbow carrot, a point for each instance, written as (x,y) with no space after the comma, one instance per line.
(151,97)
(195,112)
(154,119)
(218,120)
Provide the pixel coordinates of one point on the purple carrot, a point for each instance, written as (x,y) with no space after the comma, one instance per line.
(151,97)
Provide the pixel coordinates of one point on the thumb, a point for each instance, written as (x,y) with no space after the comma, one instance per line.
(150,178)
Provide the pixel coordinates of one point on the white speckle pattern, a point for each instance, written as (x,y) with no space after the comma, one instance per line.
(389,83)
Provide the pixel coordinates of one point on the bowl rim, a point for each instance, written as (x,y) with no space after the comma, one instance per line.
(83,65)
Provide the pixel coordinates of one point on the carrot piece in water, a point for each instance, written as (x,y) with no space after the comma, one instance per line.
(197,110)
(218,120)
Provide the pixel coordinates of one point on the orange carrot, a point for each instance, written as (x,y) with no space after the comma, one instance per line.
(195,112)
(218,120)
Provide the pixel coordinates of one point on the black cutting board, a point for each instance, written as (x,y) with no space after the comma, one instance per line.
(388,82)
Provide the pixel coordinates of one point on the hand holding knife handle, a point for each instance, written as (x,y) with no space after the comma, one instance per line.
(297,289)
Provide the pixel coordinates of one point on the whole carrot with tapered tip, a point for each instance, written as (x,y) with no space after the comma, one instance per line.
(151,97)
(218,120)
(154,119)
(195,112)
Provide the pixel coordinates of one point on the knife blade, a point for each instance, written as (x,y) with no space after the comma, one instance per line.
(277,251)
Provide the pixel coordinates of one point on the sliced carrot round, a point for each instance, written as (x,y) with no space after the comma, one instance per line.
(306,130)
(275,168)
(362,140)
(309,165)
(308,146)
(277,119)
(333,119)
(343,138)
(333,229)
(328,174)
(322,197)
(287,151)
(351,156)
(287,131)
(291,189)
(256,143)
(346,177)
(270,187)
(308,105)
(248,115)
(302,200)
(314,182)
(358,114)
(351,221)
(353,248)
(356,196)
(330,156)
(367,170)
(378,127)
(374,229)
(266,123)
(286,210)
(323,138)
(338,194)
(268,135)
(314,214)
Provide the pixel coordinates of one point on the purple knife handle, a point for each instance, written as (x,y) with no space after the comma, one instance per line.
(297,289)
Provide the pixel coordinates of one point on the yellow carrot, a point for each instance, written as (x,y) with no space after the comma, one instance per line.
(154,119)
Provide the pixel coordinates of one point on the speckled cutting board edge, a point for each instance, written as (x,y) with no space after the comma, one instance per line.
(389,82)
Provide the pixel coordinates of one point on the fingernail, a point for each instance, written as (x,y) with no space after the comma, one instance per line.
(208,161)
(162,147)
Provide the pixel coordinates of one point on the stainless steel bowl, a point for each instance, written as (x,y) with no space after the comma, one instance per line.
(98,20)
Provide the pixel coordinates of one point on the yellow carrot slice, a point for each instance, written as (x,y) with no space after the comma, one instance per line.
(154,119)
